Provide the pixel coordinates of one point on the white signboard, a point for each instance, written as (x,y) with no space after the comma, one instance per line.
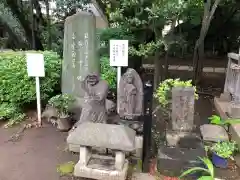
(35,65)
(119,53)
(35,68)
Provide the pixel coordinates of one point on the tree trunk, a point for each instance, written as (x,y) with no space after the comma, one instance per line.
(49,26)
(168,48)
(199,46)
(25,23)
(18,42)
(39,12)
(157,70)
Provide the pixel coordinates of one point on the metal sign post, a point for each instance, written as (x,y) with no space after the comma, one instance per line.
(118,57)
(35,68)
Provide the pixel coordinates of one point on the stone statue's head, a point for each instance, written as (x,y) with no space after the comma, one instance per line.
(129,78)
(92,79)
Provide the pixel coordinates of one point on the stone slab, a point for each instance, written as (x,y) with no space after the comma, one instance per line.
(234,131)
(76,148)
(136,153)
(183,139)
(213,133)
(101,174)
(175,160)
(116,137)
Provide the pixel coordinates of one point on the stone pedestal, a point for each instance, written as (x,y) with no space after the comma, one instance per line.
(183,146)
(102,168)
(226,108)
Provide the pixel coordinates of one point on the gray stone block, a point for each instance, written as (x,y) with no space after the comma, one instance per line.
(176,160)
(182,108)
(222,107)
(225,97)
(213,133)
(116,137)
(235,110)
(183,139)
(234,131)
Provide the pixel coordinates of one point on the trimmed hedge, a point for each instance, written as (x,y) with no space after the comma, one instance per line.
(16,88)
(108,73)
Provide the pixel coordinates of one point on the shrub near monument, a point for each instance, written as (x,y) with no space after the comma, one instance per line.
(17,89)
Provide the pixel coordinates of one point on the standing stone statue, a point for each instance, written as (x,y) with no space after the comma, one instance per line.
(94,109)
(130,95)
(79,52)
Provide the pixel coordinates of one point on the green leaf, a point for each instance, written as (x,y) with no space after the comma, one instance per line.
(206,178)
(209,165)
(232,121)
(192,170)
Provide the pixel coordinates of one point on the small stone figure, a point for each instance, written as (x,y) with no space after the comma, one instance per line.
(94,109)
(130,95)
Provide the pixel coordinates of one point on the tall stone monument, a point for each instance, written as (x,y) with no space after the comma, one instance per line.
(80,52)
(183,143)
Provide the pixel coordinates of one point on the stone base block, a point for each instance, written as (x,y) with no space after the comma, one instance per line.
(174,160)
(100,170)
(234,131)
(225,97)
(76,148)
(222,107)
(227,109)
(183,139)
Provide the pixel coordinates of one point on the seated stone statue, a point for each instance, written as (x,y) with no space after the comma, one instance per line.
(130,95)
(94,109)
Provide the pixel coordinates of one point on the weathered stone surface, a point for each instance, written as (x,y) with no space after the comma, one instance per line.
(139,146)
(235,110)
(174,160)
(183,139)
(85,155)
(96,170)
(110,136)
(119,160)
(94,106)
(79,52)
(110,106)
(144,176)
(130,95)
(213,133)
(183,108)
(234,131)
(222,107)
(225,97)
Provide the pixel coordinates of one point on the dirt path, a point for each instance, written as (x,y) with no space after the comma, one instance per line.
(35,156)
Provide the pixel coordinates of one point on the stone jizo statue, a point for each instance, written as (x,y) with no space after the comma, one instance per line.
(130,95)
(94,109)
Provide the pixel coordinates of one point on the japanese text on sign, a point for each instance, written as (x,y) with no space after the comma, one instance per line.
(118,52)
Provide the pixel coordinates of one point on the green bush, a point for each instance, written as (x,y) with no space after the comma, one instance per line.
(17,89)
(108,73)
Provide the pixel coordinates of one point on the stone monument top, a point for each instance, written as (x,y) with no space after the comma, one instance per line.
(117,137)
(79,52)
